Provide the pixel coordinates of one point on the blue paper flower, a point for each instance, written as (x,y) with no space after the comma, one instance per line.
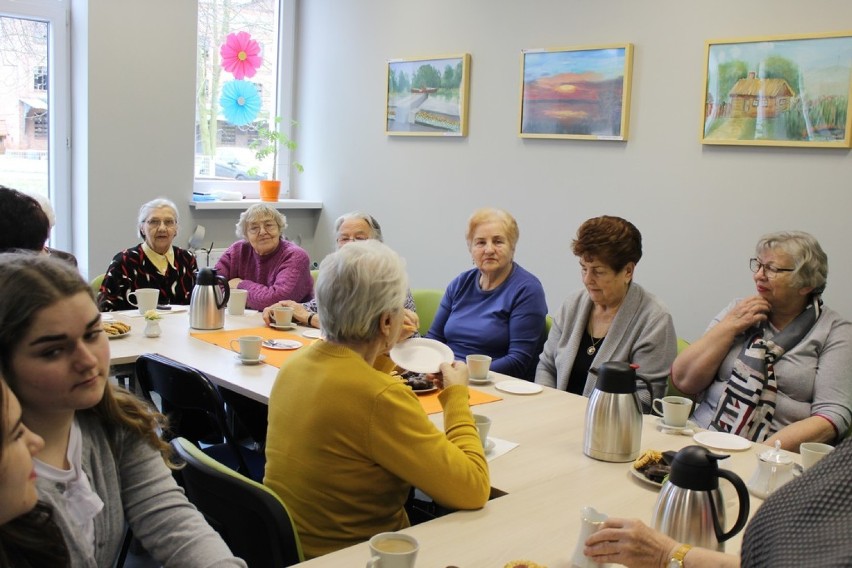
(240,102)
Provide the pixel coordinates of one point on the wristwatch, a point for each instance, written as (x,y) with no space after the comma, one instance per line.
(676,561)
(310,318)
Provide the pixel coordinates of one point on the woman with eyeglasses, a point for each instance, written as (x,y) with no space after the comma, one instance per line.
(153,263)
(264,263)
(349,228)
(775,366)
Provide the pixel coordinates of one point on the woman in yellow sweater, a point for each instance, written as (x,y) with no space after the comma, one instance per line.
(346,440)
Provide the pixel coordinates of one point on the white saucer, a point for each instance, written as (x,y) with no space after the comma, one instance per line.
(283,327)
(312,333)
(722,441)
(484,381)
(689,426)
(281,344)
(517,386)
(249,361)
(489,445)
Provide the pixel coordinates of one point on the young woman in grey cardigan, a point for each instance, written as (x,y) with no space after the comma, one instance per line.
(102,464)
(611,319)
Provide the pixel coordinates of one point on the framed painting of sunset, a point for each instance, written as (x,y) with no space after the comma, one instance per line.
(577,92)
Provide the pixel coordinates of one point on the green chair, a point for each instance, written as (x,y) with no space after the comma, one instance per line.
(427,301)
(96,283)
(250,517)
(314,274)
(672,390)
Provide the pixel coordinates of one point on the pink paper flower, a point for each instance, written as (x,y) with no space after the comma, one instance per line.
(240,55)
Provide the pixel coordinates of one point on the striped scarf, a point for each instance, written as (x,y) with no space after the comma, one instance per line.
(747,406)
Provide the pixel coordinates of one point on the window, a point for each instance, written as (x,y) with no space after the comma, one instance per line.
(34,103)
(223,137)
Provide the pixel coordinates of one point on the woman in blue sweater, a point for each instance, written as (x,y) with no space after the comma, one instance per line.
(498,308)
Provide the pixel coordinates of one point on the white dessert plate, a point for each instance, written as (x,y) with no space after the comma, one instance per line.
(421,355)
(433,388)
(283,344)
(283,327)
(722,441)
(250,361)
(484,381)
(312,333)
(118,335)
(641,477)
(516,386)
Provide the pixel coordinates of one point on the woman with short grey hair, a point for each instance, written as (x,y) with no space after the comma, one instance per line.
(366,440)
(264,263)
(348,228)
(775,366)
(153,263)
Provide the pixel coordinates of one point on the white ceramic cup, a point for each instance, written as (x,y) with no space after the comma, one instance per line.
(392,550)
(483,424)
(477,366)
(145,299)
(282,316)
(812,452)
(674,410)
(249,347)
(237,302)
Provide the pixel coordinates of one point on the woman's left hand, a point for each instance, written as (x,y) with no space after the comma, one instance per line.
(629,542)
(410,325)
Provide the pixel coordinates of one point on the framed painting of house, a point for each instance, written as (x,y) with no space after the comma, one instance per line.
(576,92)
(778,91)
(428,97)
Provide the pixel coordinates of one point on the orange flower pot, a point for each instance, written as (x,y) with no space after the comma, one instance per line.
(270,189)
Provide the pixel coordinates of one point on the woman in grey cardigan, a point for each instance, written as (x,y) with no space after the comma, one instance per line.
(102,464)
(611,319)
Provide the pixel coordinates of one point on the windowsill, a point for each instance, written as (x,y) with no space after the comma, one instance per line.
(245,203)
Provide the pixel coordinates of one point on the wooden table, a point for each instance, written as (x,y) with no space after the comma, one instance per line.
(547,478)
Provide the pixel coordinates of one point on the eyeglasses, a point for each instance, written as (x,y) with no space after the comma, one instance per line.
(770,271)
(269,227)
(154,223)
(343,239)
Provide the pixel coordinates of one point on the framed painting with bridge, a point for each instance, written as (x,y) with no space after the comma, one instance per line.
(428,97)
(578,92)
(778,91)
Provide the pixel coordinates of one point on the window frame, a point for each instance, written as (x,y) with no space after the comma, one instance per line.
(283,107)
(57,13)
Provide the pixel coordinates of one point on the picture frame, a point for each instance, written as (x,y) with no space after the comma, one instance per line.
(427,96)
(789,90)
(578,93)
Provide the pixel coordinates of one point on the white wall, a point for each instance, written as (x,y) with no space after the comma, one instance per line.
(700,208)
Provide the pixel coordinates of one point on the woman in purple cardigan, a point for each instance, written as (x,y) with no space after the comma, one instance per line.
(270,267)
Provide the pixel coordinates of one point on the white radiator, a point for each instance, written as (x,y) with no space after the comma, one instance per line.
(208,258)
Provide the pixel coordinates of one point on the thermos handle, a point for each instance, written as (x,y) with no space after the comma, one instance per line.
(742,517)
(221,280)
(647,385)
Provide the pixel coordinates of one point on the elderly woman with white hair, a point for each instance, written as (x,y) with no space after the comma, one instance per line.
(346,467)
(153,263)
(348,228)
(264,263)
(775,366)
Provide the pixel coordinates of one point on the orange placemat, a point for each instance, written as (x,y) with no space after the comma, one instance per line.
(432,405)
(274,357)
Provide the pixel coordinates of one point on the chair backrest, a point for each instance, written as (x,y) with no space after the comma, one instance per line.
(427,301)
(251,518)
(96,283)
(181,389)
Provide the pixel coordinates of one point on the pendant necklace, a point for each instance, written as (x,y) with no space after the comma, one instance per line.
(594,346)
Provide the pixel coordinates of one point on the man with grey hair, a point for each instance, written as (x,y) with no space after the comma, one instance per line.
(346,467)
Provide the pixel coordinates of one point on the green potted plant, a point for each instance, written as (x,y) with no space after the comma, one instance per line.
(271,139)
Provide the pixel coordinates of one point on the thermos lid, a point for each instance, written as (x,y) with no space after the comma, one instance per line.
(696,468)
(206,277)
(615,377)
